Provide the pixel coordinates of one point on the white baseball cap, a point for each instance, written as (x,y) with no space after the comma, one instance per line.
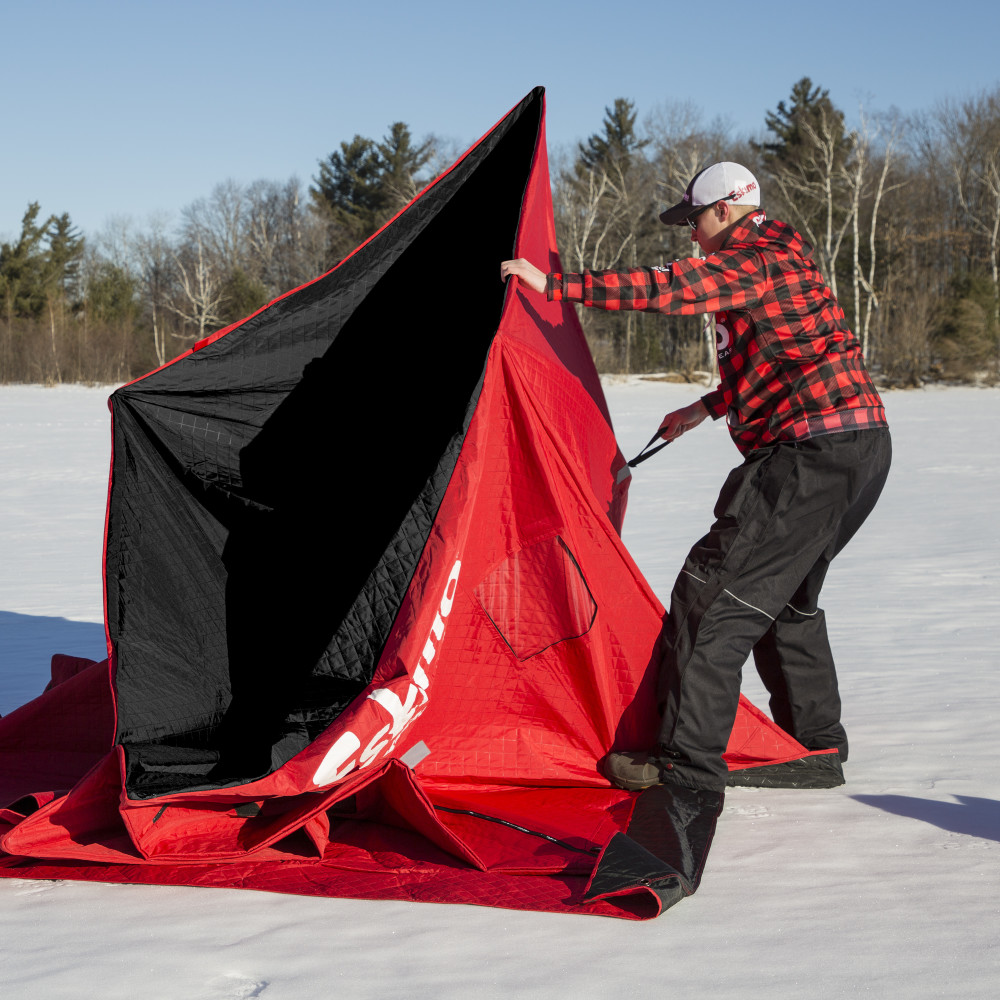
(720,182)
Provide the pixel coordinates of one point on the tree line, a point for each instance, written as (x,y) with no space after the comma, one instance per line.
(903,213)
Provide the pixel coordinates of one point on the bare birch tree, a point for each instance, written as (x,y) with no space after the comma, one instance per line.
(604,209)
(857,179)
(682,146)
(217,225)
(811,189)
(199,290)
(973,132)
(595,217)
(154,258)
(285,239)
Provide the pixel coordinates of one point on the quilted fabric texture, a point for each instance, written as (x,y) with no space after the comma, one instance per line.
(370,519)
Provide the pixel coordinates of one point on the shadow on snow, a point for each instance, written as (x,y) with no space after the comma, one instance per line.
(968,814)
(27,643)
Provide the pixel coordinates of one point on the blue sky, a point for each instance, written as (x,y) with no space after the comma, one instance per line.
(118,109)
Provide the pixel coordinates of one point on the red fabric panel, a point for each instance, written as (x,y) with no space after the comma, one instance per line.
(51,742)
(422,884)
(83,825)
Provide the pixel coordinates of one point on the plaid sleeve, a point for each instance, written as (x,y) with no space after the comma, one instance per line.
(791,368)
(728,280)
(715,403)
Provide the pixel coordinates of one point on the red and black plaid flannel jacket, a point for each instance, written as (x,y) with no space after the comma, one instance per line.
(790,368)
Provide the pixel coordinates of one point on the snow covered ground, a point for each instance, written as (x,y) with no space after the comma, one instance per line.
(888,887)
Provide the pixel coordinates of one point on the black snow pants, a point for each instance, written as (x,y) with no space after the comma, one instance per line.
(752,584)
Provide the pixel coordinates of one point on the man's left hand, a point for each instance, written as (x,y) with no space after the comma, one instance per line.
(525,272)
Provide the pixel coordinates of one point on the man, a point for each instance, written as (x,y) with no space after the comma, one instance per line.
(803,411)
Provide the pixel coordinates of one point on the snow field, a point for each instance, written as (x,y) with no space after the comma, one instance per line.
(885,888)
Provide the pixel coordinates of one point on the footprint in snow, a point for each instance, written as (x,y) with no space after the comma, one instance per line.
(31,887)
(965,843)
(233,986)
(748,810)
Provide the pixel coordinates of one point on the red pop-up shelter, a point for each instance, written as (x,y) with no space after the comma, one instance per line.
(371,626)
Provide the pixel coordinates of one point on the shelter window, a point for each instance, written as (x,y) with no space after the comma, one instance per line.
(537,597)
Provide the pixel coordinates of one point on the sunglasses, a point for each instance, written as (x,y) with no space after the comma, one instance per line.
(692,220)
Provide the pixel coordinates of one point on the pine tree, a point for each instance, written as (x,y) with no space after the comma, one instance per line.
(241,295)
(23,270)
(400,163)
(806,160)
(608,218)
(363,184)
(62,259)
(112,297)
(795,127)
(346,192)
(617,144)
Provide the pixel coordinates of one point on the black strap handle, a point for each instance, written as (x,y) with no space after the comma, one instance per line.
(648,451)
